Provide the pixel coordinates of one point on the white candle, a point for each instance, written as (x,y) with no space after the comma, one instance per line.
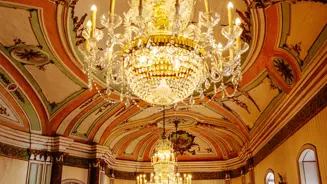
(112,7)
(206,4)
(230,7)
(93,18)
(238,39)
(88,29)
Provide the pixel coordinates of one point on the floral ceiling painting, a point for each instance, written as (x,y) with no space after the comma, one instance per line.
(184,142)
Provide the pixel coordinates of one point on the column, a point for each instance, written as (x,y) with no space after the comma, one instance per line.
(227,177)
(110,174)
(58,161)
(97,169)
(251,170)
(243,179)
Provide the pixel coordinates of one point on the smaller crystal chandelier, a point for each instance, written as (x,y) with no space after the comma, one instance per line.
(164,163)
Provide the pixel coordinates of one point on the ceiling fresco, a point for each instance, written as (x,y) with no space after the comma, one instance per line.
(43,88)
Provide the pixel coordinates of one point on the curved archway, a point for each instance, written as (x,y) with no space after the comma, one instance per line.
(72,181)
(308,166)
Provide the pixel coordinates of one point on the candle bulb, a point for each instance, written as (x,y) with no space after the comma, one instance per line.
(112,7)
(220,48)
(93,18)
(230,7)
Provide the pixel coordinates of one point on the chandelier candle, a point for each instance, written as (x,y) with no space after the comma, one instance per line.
(112,7)
(160,56)
(230,17)
(238,39)
(93,18)
(206,4)
(87,42)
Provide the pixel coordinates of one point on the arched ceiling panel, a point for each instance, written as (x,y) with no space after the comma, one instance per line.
(39,54)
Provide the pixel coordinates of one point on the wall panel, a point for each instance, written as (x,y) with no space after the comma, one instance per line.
(283,160)
(12,171)
(76,173)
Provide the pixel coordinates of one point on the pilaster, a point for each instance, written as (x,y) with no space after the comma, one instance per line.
(57,165)
(97,171)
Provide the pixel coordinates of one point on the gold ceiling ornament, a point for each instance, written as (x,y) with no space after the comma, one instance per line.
(164,163)
(162,57)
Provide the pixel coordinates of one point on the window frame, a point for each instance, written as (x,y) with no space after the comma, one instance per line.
(303,148)
(268,172)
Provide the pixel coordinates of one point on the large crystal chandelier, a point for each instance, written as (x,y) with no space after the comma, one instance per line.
(164,163)
(160,56)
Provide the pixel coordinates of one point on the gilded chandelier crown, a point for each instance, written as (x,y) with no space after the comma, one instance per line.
(162,57)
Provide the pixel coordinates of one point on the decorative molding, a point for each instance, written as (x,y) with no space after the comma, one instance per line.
(266,3)
(77,161)
(13,151)
(124,175)
(39,155)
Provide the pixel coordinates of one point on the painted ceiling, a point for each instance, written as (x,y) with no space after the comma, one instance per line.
(43,89)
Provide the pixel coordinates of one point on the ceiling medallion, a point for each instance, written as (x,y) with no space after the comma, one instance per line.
(162,57)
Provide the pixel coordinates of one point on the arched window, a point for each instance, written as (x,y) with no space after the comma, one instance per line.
(308,165)
(71,181)
(270,177)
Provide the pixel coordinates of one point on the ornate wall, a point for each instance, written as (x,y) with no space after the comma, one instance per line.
(283,160)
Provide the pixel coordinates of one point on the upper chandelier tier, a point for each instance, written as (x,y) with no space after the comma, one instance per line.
(162,57)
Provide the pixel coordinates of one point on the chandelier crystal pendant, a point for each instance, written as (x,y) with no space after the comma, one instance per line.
(164,163)
(162,57)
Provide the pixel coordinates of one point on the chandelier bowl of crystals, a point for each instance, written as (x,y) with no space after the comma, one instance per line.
(162,57)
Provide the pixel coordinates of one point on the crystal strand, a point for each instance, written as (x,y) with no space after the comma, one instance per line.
(90,86)
(192,101)
(127,103)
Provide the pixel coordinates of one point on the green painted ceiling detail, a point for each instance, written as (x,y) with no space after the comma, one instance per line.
(22,100)
(43,48)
